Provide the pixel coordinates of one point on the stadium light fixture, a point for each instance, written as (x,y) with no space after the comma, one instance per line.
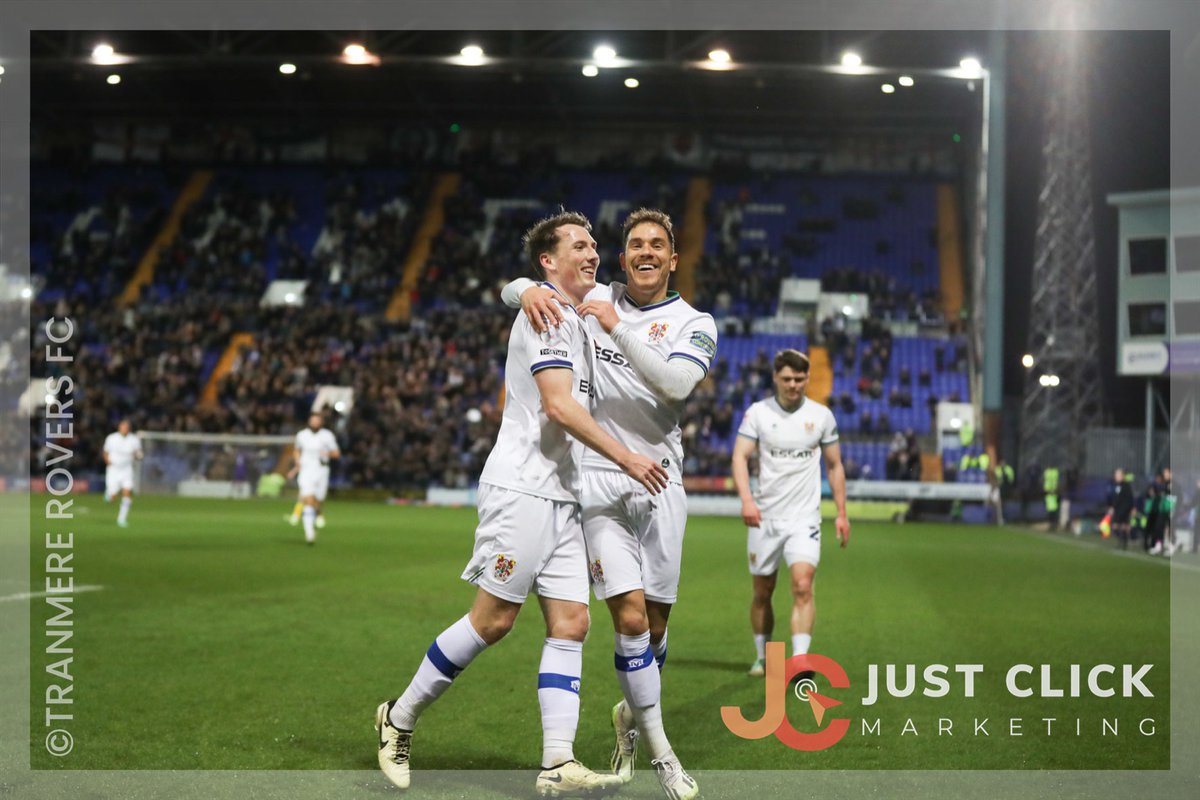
(631,83)
(887,88)
(471,56)
(113,79)
(340,406)
(357,54)
(290,297)
(1027,360)
(1,69)
(905,81)
(848,310)
(287,69)
(26,293)
(970,67)
(105,55)
(605,56)
(851,59)
(719,56)
(590,70)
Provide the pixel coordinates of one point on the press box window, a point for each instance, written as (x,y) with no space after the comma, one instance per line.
(1187,318)
(1187,253)
(1147,319)
(1147,256)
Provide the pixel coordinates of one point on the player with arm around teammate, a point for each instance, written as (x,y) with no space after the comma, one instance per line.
(652,348)
(121,449)
(529,538)
(314,448)
(789,433)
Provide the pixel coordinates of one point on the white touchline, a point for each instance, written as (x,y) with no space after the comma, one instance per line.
(85,587)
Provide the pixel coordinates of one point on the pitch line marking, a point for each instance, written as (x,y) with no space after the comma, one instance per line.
(86,587)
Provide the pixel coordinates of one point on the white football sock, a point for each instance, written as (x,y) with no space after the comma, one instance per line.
(558,696)
(660,650)
(450,653)
(760,646)
(310,531)
(642,687)
(123,514)
(800,643)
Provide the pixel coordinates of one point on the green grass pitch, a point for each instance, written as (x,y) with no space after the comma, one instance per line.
(220,641)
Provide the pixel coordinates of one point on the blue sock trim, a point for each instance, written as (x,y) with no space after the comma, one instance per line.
(633,663)
(660,660)
(443,664)
(553,680)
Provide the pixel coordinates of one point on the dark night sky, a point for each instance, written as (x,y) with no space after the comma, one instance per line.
(1130,124)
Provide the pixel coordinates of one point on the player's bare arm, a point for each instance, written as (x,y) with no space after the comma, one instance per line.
(743,448)
(561,407)
(837,483)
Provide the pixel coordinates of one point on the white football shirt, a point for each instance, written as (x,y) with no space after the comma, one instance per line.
(313,447)
(625,406)
(532,454)
(121,449)
(789,457)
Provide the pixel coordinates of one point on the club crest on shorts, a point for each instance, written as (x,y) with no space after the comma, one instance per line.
(657,331)
(753,559)
(503,568)
(597,572)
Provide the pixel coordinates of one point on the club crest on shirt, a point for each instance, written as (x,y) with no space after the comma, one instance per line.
(503,568)
(809,427)
(597,572)
(657,331)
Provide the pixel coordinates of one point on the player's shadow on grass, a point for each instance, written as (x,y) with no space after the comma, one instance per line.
(722,665)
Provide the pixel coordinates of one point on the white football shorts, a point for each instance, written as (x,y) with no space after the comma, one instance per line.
(634,539)
(528,544)
(314,483)
(117,479)
(795,541)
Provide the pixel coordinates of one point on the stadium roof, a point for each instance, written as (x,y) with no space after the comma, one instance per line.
(776,80)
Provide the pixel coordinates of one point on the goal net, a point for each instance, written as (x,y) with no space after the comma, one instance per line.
(213,464)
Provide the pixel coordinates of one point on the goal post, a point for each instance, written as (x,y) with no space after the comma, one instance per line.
(223,465)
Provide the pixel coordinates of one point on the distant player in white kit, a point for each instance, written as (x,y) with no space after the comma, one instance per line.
(529,538)
(789,432)
(121,449)
(314,448)
(652,348)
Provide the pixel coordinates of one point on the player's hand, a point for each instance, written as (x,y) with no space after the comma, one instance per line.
(291,473)
(646,471)
(542,308)
(842,523)
(751,516)
(604,312)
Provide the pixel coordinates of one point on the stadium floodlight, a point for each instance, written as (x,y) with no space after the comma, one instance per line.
(605,56)
(1027,360)
(287,69)
(290,297)
(26,293)
(590,70)
(471,56)
(848,310)
(970,67)
(113,79)
(887,88)
(1054,380)
(340,407)
(1049,380)
(905,81)
(851,59)
(719,56)
(104,54)
(1,69)
(357,54)
(631,83)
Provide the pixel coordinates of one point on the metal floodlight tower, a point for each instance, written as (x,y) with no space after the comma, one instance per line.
(1064,331)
